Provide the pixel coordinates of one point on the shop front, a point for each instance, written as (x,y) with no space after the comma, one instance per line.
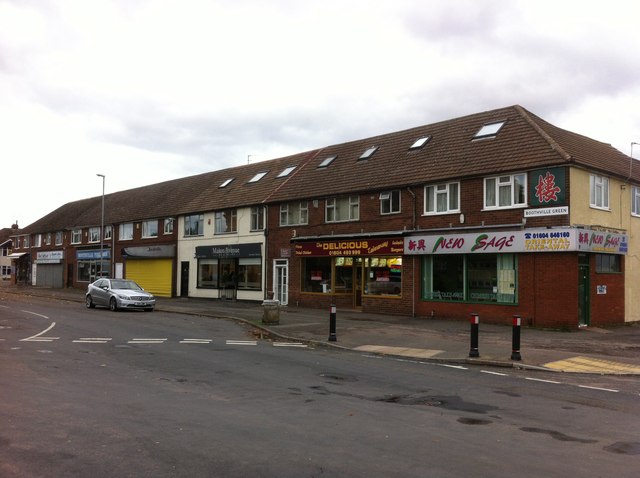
(230,271)
(49,269)
(89,265)
(551,277)
(350,271)
(151,267)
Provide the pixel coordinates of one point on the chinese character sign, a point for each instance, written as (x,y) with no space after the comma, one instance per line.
(547,187)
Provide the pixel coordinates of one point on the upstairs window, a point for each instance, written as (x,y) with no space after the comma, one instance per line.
(76,236)
(59,238)
(94,234)
(258,177)
(442,198)
(505,191)
(194,225)
(38,241)
(150,228)
(599,192)
(390,202)
(342,209)
(257,218)
(635,201)
(226,221)
(47,239)
(168,225)
(126,231)
(107,232)
(294,213)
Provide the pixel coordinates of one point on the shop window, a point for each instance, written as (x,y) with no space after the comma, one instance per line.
(608,263)
(343,275)
(316,274)
(250,273)
(226,221)
(343,209)
(598,191)
(390,202)
(208,273)
(470,278)
(242,273)
(442,198)
(505,191)
(383,276)
(150,228)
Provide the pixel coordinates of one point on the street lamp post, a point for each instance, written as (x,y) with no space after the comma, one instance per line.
(102,227)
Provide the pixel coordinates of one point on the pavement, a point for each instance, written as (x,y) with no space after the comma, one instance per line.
(605,351)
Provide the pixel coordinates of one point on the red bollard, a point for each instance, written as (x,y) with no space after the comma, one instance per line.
(515,348)
(475,326)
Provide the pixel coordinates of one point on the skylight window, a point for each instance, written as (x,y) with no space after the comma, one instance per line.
(420,142)
(286,172)
(258,177)
(327,161)
(226,183)
(490,129)
(368,153)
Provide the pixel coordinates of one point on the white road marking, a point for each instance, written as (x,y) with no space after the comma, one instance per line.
(541,380)
(38,338)
(494,373)
(459,367)
(599,388)
(290,344)
(33,313)
(195,341)
(242,342)
(147,341)
(92,340)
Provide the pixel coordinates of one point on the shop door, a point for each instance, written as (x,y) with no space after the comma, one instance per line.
(281,281)
(358,276)
(583,290)
(184,279)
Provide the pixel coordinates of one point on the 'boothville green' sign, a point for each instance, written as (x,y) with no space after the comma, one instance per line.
(547,187)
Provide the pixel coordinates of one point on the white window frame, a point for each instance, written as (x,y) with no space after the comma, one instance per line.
(199,221)
(168,225)
(433,191)
(76,236)
(94,234)
(226,221)
(335,208)
(148,231)
(635,201)
(123,231)
(299,216)
(599,192)
(258,215)
(37,240)
(59,238)
(108,231)
(505,181)
(390,202)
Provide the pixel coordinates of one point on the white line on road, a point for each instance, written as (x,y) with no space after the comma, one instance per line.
(33,313)
(494,373)
(38,338)
(195,341)
(147,341)
(92,340)
(289,344)
(459,367)
(242,342)
(599,388)
(541,380)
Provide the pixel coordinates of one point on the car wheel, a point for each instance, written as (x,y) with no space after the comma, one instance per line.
(89,302)
(113,305)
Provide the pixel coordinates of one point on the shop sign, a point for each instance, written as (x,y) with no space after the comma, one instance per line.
(547,211)
(530,240)
(50,255)
(150,251)
(93,255)
(351,247)
(547,187)
(229,251)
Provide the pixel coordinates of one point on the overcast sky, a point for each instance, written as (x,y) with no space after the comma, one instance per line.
(145,91)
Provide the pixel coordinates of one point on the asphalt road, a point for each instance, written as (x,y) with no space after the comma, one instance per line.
(91,393)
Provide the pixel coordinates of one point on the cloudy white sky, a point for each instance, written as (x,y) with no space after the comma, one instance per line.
(144,91)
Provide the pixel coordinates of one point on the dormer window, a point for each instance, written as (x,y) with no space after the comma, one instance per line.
(368,153)
(258,177)
(489,130)
(420,142)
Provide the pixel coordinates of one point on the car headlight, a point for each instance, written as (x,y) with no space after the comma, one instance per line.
(123,297)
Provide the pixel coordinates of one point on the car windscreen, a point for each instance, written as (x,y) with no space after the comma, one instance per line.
(125,284)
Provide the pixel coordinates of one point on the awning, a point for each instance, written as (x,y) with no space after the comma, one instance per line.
(16,255)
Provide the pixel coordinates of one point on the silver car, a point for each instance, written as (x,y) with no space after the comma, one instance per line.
(118,294)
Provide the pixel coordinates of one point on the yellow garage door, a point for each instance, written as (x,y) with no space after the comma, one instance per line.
(153,275)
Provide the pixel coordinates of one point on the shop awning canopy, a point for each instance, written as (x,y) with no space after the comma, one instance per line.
(16,255)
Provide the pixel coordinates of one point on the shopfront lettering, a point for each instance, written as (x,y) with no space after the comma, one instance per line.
(332,246)
(484,242)
(448,243)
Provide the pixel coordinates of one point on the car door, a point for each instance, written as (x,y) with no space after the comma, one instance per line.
(100,296)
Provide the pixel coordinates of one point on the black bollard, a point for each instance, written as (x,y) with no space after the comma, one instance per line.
(332,323)
(515,348)
(475,325)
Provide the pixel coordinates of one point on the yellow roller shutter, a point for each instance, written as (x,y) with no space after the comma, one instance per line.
(153,275)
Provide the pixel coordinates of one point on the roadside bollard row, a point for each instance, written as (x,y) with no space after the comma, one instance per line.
(515,337)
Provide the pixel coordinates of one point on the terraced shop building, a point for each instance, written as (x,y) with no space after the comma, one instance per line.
(497,213)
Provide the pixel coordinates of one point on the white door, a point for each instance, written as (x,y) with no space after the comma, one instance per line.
(281,280)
